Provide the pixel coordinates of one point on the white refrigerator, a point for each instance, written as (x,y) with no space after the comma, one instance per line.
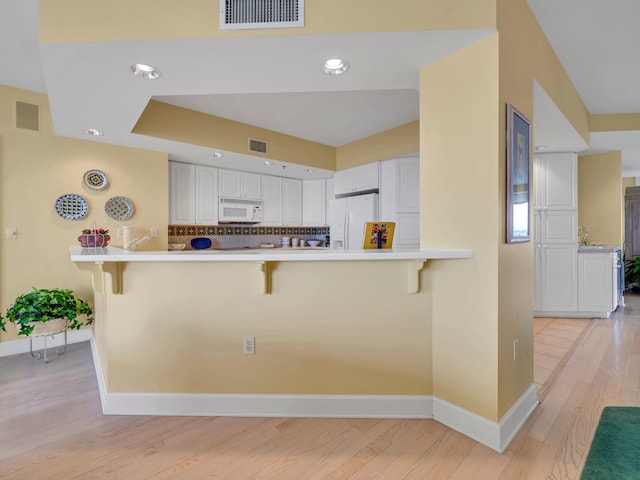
(348,218)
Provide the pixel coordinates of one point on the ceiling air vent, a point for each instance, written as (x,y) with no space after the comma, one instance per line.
(257,146)
(247,14)
(27,116)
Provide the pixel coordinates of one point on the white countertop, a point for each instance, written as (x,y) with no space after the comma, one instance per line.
(596,249)
(114,254)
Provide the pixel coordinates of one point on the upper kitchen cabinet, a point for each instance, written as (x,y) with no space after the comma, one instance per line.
(556,178)
(292,201)
(357,179)
(400,198)
(281,201)
(192,194)
(314,202)
(236,184)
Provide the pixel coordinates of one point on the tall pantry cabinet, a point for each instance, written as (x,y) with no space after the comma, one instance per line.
(555,226)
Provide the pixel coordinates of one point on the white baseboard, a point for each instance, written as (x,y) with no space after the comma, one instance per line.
(15,347)
(495,435)
(257,405)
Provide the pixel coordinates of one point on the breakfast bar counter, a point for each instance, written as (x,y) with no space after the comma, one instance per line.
(110,258)
(337,333)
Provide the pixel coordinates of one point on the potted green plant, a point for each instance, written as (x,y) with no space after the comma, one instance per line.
(44,312)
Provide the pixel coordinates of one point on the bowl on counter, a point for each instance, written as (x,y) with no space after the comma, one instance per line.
(177,246)
(201,243)
(314,243)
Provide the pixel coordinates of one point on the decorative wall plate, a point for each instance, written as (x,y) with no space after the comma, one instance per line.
(119,208)
(96,180)
(71,206)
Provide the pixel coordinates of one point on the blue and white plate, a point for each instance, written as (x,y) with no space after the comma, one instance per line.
(71,206)
(119,208)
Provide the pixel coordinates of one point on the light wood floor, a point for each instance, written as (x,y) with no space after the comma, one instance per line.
(555,340)
(51,427)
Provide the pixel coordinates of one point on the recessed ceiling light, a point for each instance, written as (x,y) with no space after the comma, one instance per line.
(335,66)
(541,147)
(217,154)
(267,163)
(145,71)
(93,132)
(309,170)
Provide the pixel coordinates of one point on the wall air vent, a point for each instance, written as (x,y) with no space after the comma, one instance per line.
(27,116)
(254,14)
(257,146)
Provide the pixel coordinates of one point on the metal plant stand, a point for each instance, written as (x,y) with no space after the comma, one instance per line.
(48,329)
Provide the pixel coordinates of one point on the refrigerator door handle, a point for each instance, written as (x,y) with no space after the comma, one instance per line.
(347,222)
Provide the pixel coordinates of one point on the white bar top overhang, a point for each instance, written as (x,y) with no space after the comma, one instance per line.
(110,259)
(114,254)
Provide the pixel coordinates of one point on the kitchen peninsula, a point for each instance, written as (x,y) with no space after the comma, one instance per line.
(344,333)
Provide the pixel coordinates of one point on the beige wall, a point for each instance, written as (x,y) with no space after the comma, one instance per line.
(599,192)
(153,19)
(399,141)
(459,184)
(35,169)
(179,124)
(178,328)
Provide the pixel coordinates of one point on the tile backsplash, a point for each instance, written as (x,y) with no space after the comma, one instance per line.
(231,236)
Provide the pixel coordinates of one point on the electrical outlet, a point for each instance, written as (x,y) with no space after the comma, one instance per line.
(153,232)
(515,350)
(119,232)
(249,346)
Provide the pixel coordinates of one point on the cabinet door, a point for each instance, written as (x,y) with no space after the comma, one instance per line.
(408,185)
(596,282)
(343,181)
(407,232)
(314,203)
(560,278)
(206,195)
(251,185)
(182,193)
(538,181)
(292,201)
(559,226)
(561,181)
(229,183)
(271,200)
(366,177)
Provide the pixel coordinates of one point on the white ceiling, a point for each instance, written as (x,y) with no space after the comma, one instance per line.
(89,85)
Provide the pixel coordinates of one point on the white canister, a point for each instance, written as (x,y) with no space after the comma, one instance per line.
(294,242)
(285,241)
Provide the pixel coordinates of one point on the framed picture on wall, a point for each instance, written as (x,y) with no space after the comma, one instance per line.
(518,185)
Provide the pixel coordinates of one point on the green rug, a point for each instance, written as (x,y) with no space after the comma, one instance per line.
(615,450)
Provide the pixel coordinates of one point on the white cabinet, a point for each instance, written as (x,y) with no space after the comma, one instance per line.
(559,181)
(597,284)
(236,184)
(314,203)
(408,185)
(555,235)
(559,278)
(182,200)
(271,200)
(281,201)
(400,198)
(192,194)
(292,201)
(357,179)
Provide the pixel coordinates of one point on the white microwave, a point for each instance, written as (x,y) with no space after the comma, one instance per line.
(239,210)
